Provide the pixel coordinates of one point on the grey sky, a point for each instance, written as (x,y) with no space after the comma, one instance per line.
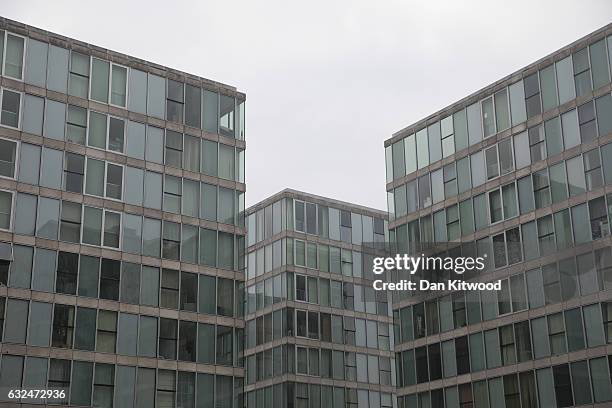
(328,81)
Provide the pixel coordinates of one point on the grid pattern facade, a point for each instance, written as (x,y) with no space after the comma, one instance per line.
(317,335)
(121,227)
(520,171)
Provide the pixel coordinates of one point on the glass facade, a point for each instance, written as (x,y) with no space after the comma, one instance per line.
(311,313)
(128,278)
(121,227)
(530,175)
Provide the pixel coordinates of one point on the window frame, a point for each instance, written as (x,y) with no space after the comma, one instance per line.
(23,59)
(17,156)
(102,227)
(20,113)
(110,81)
(12,214)
(107,132)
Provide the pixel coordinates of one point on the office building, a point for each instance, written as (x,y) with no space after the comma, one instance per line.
(317,334)
(121,227)
(523,170)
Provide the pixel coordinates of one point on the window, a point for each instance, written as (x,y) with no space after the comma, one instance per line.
(592,169)
(169,289)
(174,149)
(437,186)
(166,388)
(546,235)
(521,150)
(47,219)
(506,162)
(582,72)
(193,108)
(172,194)
(537,143)
(171,240)
(6,205)
(167,338)
(574,330)
(603,105)
(586,122)
(67,270)
(94,181)
(424,191)
(549,88)
(118,90)
(187,340)
(448,138)
(74,172)
(492,162)
(224,345)
(462,355)
(435,147)
(575,176)
(103,385)
(563,387)
(532,95)
(556,334)
(30,154)
(599,218)
(600,378)
(175,101)
(59,374)
(92,225)
(14,53)
(11,106)
(541,188)
(450,180)
(226,115)
(109,279)
(99,80)
(112,226)
(495,206)
(488,116)
(78,82)
(63,326)
(76,124)
(116,134)
(460,130)
(8,152)
(70,224)
(453,228)
(106,336)
(191,157)
(464,180)
(554,138)
(558,182)
(523,341)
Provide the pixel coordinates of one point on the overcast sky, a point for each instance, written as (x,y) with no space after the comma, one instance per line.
(328,81)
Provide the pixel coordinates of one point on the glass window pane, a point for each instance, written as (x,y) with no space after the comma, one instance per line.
(55,116)
(137,94)
(156,96)
(94,181)
(36,63)
(565,79)
(32,121)
(118,85)
(48,217)
(57,72)
(136,140)
(99,80)
(51,172)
